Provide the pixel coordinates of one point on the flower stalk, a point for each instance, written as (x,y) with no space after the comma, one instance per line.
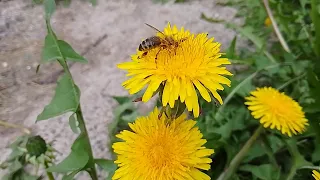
(228,173)
(49,174)
(92,170)
(275,27)
(11,125)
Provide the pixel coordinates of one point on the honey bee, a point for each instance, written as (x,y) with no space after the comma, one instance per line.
(164,42)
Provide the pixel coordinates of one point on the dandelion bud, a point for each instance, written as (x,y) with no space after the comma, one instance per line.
(36,146)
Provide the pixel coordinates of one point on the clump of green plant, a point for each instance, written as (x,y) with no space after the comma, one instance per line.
(285,39)
(65,2)
(28,151)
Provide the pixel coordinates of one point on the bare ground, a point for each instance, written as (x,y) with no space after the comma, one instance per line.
(106,35)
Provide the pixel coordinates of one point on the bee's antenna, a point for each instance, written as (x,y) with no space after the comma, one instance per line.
(154,28)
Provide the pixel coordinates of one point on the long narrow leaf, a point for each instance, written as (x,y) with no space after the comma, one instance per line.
(315,16)
(247,32)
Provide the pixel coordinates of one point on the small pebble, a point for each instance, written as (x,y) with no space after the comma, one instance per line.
(5,64)
(28,67)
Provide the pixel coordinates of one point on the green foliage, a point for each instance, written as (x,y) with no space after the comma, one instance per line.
(58,49)
(124,113)
(36,146)
(76,160)
(66,99)
(315,16)
(272,156)
(74,124)
(107,165)
(65,2)
(212,20)
(31,151)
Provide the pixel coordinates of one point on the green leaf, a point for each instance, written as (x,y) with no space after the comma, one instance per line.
(71,175)
(37,1)
(67,3)
(93,2)
(76,160)
(130,117)
(122,99)
(316,153)
(66,99)
(231,51)
(255,151)
(26,176)
(107,165)
(262,62)
(315,16)
(15,166)
(212,20)
(15,154)
(58,49)
(68,52)
(245,89)
(264,172)
(50,50)
(247,31)
(49,7)
(299,159)
(74,124)
(123,109)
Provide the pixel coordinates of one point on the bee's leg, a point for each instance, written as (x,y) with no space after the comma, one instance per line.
(158,53)
(143,54)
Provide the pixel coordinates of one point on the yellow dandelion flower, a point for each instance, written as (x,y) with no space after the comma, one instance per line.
(157,150)
(194,64)
(267,22)
(277,110)
(316,175)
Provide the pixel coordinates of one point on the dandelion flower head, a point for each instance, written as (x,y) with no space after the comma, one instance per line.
(267,22)
(195,64)
(157,150)
(316,175)
(277,110)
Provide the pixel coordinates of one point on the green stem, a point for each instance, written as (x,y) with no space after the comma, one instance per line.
(92,169)
(275,27)
(49,174)
(82,126)
(292,173)
(311,167)
(83,129)
(269,151)
(291,81)
(93,175)
(228,173)
(297,159)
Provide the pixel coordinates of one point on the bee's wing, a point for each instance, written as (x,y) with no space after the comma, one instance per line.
(155,29)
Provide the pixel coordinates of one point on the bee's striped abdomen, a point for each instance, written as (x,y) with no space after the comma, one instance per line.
(149,43)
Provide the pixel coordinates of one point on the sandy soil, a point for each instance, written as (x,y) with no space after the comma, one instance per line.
(106,35)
